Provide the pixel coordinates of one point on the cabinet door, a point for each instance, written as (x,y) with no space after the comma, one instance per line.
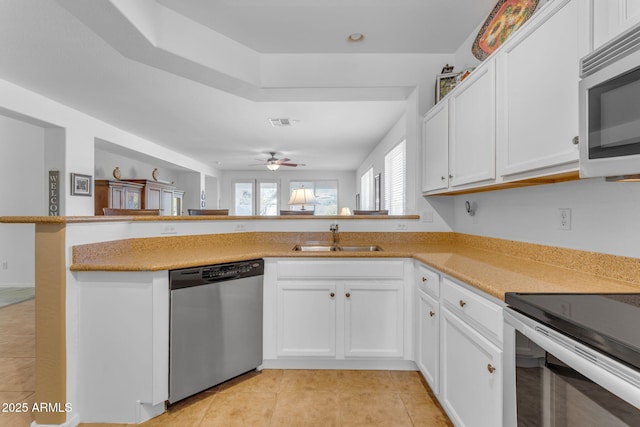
(153,198)
(435,148)
(306,319)
(132,198)
(472,124)
(612,17)
(373,319)
(428,345)
(471,374)
(117,197)
(538,95)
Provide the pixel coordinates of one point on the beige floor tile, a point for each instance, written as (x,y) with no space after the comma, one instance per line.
(365,381)
(17,345)
(15,418)
(18,374)
(374,409)
(188,412)
(309,380)
(424,410)
(306,409)
(240,409)
(267,380)
(409,382)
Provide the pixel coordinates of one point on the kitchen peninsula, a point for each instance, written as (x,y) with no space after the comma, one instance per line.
(120,264)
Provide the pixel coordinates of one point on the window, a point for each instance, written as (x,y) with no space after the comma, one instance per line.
(395,180)
(248,201)
(326,193)
(366,190)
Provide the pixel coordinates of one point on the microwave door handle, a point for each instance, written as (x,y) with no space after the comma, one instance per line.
(567,351)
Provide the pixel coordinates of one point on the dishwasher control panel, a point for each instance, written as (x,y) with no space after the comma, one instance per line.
(187,277)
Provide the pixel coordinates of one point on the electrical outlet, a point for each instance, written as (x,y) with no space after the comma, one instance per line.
(5,265)
(241,227)
(426,216)
(168,229)
(564,218)
(402,226)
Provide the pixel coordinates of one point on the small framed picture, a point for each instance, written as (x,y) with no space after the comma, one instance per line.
(445,84)
(81,185)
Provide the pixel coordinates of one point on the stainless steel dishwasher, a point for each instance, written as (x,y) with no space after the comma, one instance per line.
(215,325)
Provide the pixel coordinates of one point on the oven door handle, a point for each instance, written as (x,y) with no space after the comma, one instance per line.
(613,376)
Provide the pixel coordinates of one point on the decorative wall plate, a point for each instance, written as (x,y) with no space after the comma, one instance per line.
(155,174)
(505,18)
(116,173)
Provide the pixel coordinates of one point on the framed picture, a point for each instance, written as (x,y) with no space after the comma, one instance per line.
(81,185)
(445,84)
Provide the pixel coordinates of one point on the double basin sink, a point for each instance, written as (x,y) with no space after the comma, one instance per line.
(333,248)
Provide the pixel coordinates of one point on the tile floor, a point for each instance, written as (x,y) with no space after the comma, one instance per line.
(322,398)
(267,398)
(17,361)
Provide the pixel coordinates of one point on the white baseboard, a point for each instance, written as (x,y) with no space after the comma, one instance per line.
(72,422)
(361,364)
(17,285)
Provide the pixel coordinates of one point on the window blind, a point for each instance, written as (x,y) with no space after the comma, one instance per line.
(366,190)
(395,180)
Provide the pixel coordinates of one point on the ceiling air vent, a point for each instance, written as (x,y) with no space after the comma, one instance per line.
(280,122)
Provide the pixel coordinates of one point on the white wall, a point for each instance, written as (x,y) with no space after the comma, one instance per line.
(24,192)
(605,216)
(346,184)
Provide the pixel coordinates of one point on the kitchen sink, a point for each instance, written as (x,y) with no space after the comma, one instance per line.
(345,248)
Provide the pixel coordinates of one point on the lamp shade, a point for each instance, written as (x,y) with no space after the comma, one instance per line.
(302,196)
(345,211)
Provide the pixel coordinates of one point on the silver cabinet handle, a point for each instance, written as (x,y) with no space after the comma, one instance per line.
(575,140)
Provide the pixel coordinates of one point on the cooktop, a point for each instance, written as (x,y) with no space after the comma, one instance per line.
(609,323)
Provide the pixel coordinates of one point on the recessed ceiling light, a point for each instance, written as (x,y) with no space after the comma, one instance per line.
(355,37)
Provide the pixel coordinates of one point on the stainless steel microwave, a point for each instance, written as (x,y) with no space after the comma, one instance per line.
(610,108)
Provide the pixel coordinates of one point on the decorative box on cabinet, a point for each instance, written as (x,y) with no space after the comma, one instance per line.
(117,195)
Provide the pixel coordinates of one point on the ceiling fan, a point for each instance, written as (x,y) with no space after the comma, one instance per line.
(273,163)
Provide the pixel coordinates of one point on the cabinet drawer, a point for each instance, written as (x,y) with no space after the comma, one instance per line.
(428,280)
(340,269)
(473,308)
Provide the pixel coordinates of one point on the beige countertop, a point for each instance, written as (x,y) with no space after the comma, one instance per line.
(494,266)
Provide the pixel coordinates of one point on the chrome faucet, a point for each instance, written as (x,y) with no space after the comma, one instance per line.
(333,228)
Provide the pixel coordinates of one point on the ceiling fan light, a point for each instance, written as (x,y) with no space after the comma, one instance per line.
(273,166)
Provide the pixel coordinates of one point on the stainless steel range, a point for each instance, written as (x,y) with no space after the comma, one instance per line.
(573,359)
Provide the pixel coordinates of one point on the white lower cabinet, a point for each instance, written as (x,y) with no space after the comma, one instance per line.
(373,319)
(471,374)
(459,348)
(428,352)
(306,319)
(341,310)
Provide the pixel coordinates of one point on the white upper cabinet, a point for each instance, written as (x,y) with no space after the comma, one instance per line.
(538,94)
(612,17)
(472,118)
(435,148)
